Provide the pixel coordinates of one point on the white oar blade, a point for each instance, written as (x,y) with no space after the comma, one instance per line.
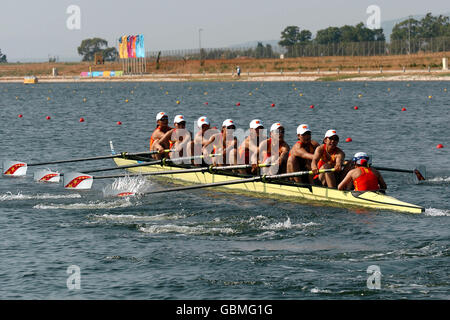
(78,181)
(47,176)
(14,168)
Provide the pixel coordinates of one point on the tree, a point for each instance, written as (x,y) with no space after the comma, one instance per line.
(2,57)
(291,36)
(328,35)
(89,47)
(110,54)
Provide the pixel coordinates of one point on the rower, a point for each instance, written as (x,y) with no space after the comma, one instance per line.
(267,147)
(328,156)
(224,143)
(162,127)
(250,144)
(364,177)
(177,138)
(302,153)
(201,138)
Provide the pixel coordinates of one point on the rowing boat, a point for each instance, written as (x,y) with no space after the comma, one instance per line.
(278,189)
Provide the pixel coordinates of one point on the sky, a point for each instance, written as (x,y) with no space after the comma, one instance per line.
(33,30)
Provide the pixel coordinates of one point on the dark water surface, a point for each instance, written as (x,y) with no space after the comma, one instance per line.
(210,245)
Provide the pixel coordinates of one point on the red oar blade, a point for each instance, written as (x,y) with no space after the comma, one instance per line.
(419,175)
(14,168)
(78,181)
(47,176)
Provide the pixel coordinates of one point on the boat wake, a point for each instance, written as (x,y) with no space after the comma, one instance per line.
(91,205)
(126,185)
(19,196)
(126,218)
(188,230)
(438,180)
(433,212)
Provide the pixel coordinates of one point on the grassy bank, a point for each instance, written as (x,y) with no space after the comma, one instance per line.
(339,65)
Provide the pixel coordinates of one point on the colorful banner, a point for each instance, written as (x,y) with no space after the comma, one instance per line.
(131,47)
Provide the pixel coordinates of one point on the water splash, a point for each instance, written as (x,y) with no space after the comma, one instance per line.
(19,196)
(439,180)
(132,185)
(92,205)
(188,230)
(433,212)
(132,218)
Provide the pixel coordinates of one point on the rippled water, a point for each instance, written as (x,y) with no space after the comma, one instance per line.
(210,245)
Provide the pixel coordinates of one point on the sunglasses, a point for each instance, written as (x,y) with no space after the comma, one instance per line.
(335,138)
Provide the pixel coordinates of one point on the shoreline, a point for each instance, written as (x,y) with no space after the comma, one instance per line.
(373,75)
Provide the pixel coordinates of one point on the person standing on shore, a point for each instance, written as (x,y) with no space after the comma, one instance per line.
(238,71)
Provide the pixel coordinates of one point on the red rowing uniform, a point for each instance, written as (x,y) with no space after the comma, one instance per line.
(367,181)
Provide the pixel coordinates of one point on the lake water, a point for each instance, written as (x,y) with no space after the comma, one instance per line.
(204,244)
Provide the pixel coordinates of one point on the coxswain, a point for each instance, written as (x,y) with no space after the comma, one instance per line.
(364,178)
(274,151)
(162,121)
(328,156)
(177,138)
(223,143)
(302,153)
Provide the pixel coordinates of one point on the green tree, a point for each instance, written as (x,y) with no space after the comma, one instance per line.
(259,51)
(110,54)
(89,47)
(2,57)
(291,36)
(328,35)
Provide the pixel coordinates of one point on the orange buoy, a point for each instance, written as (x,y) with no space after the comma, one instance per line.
(355,107)
(47,117)
(20,116)
(119,122)
(311,106)
(439,146)
(348,139)
(272,105)
(238,104)
(403,109)
(81,119)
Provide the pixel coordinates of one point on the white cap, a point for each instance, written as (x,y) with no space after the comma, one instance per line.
(256,123)
(330,133)
(201,121)
(178,118)
(275,126)
(301,129)
(227,123)
(160,115)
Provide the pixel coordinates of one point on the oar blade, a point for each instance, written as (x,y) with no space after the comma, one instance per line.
(420,173)
(78,181)
(13,168)
(47,176)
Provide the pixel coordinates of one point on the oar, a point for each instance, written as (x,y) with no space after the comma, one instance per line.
(416,171)
(83,181)
(224,183)
(19,168)
(210,168)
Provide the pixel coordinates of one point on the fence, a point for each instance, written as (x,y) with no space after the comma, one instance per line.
(372,48)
